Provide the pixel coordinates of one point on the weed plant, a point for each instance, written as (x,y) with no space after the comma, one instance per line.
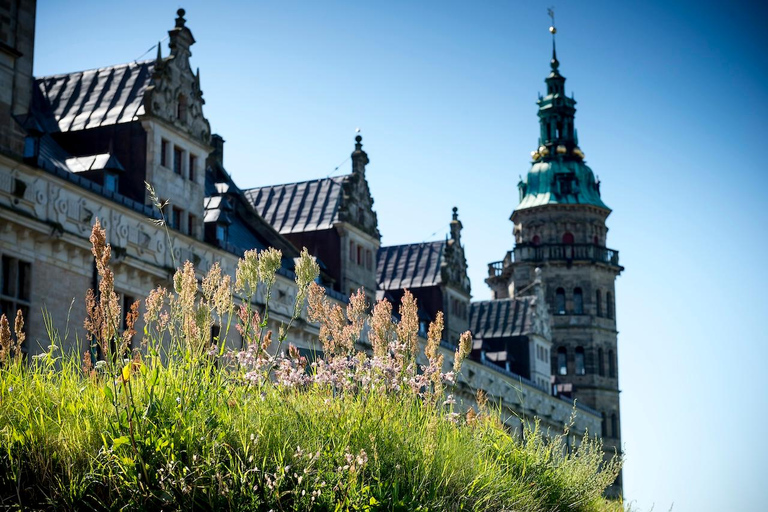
(180,423)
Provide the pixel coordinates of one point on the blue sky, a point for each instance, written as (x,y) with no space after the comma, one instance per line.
(672,109)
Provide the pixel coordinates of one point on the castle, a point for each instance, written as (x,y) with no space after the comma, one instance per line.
(79,146)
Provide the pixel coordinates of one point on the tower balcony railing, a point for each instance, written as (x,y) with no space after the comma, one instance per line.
(556,252)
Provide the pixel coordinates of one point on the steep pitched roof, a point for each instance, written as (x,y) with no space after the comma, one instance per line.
(97,97)
(501,318)
(246,229)
(410,266)
(299,207)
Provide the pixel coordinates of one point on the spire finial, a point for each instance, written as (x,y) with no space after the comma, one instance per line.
(455,213)
(553,30)
(180,20)
(359,157)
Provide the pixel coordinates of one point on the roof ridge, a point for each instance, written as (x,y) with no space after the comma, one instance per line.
(412,244)
(327,178)
(102,68)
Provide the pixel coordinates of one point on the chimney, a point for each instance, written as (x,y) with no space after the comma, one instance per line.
(217,155)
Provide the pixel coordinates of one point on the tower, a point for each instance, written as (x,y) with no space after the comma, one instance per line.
(559,226)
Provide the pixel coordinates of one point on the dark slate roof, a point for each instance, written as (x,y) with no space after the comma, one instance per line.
(299,207)
(410,266)
(501,318)
(97,97)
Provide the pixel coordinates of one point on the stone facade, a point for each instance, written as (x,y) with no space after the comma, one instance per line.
(47,208)
(560,233)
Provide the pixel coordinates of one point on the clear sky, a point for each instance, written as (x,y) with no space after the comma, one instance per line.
(672,116)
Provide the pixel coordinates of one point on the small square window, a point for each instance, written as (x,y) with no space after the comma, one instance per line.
(191,224)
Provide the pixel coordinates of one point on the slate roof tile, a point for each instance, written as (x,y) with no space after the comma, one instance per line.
(410,266)
(501,318)
(96,97)
(299,207)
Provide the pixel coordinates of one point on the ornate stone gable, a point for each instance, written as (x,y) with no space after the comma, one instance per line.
(356,206)
(174,94)
(453,270)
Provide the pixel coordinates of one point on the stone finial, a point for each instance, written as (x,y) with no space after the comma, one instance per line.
(359,157)
(180,21)
(456,225)
(181,37)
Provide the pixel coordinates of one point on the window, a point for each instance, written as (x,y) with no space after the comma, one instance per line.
(15,288)
(609,304)
(221,233)
(568,238)
(578,301)
(600,369)
(536,240)
(611,365)
(127,303)
(560,301)
(580,369)
(351,251)
(191,224)
(614,426)
(192,164)
(604,425)
(368,259)
(110,182)
(181,108)
(177,156)
(599,303)
(359,255)
(175,221)
(164,153)
(562,361)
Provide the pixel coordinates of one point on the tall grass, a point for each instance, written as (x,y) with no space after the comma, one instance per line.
(180,424)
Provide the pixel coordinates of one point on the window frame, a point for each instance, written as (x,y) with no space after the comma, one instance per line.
(13,298)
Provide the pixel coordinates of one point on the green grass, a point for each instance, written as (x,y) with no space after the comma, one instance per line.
(235,447)
(179,425)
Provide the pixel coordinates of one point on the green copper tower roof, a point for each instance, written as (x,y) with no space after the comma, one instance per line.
(558,174)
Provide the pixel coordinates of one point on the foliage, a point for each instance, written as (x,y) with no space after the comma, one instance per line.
(179,423)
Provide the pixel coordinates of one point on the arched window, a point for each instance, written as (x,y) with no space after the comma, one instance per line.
(579,360)
(536,240)
(181,108)
(562,361)
(560,301)
(614,426)
(611,365)
(600,369)
(578,301)
(598,303)
(568,238)
(594,240)
(609,304)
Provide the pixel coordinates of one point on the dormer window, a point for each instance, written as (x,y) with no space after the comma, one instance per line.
(221,233)
(181,108)
(110,182)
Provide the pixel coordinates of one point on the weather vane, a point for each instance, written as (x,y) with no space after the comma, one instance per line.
(551,14)
(553,31)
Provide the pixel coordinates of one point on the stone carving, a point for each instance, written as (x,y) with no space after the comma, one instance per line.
(174,93)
